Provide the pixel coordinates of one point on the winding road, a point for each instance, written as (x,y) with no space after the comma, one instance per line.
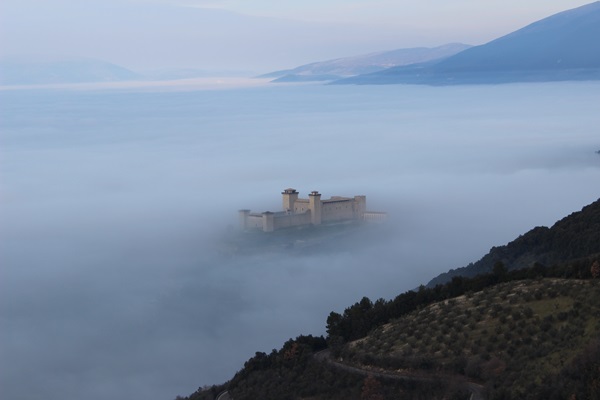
(325,356)
(224,396)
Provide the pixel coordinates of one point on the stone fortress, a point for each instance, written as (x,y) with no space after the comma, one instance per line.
(312,211)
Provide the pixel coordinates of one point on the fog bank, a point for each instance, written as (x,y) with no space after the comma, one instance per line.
(113,203)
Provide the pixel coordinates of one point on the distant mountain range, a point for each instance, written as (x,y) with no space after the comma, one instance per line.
(34,70)
(564,46)
(37,71)
(364,64)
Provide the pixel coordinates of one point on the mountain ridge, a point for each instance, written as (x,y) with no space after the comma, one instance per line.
(366,63)
(563,46)
(41,71)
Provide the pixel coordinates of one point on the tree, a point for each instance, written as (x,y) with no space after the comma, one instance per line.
(334,325)
(499,271)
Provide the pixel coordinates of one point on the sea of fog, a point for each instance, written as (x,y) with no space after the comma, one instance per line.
(113,203)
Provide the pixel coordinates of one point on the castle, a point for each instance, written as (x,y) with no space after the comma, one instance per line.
(311,211)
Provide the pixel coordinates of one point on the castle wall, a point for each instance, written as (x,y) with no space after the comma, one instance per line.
(338,210)
(301,206)
(289,220)
(254,221)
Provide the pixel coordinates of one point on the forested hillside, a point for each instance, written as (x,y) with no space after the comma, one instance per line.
(508,337)
(523,333)
(575,236)
(526,333)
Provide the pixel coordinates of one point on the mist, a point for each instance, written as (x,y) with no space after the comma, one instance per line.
(114,203)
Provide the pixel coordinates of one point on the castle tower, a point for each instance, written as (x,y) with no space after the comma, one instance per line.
(289,198)
(315,206)
(360,206)
(244,219)
(268,219)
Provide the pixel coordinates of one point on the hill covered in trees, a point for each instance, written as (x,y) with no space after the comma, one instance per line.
(575,236)
(527,331)
(508,337)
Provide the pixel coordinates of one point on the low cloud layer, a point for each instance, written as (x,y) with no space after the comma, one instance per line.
(113,204)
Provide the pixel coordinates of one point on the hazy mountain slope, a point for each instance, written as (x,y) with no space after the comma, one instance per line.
(570,39)
(575,236)
(350,66)
(564,46)
(21,71)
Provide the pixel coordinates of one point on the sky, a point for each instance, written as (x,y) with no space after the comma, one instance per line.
(260,36)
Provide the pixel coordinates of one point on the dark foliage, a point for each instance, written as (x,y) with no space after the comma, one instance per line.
(293,372)
(358,320)
(204,393)
(580,379)
(517,344)
(575,236)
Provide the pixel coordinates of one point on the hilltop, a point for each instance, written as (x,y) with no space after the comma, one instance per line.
(564,46)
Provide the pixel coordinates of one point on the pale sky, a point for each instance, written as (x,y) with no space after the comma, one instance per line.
(257,35)
(388,11)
